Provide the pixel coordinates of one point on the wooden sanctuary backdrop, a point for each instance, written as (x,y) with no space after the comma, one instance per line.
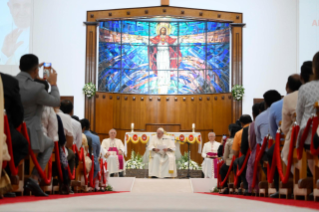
(173,112)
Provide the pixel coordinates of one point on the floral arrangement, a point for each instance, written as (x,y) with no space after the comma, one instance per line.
(136,161)
(89,89)
(238,92)
(108,188)
(183,163)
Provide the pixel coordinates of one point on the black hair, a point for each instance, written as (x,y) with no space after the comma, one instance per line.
(66,106)
(245,119)
(45,83)
(294,82)
(315,65)
(76,118)
(85,124)
(261,106)
(28,62)
(306,71)
(271,96)
(233,128)
(256,109)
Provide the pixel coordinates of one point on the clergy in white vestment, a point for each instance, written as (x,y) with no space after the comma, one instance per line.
(162,156)
(112,149)
(209,154)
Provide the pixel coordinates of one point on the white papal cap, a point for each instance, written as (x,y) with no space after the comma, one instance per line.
(161,129)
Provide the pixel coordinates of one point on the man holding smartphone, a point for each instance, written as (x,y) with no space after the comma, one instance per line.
(34,97)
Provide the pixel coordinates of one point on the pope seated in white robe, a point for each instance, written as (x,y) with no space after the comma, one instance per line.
(112,149)
(162,162)
(209,154)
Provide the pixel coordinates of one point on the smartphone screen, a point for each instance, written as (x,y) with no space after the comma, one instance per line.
(46,70)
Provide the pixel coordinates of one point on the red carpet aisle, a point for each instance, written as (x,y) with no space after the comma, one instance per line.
(290,202)
(20,199)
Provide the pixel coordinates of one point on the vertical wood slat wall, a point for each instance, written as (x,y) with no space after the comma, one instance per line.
(211,112)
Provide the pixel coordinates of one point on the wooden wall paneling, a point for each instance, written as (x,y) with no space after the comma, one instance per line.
(165,11)
(104,112)
(237,58)
(90,71)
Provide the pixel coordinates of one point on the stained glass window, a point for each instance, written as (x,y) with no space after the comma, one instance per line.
(163,57)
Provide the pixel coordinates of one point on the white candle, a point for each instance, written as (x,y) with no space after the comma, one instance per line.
(132,125)
(193,125)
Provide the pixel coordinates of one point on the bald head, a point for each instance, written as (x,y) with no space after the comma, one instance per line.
(112,133)
(293,83)
(211,136)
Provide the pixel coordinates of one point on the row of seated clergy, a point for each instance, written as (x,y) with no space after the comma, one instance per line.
(209,153)
(112,150)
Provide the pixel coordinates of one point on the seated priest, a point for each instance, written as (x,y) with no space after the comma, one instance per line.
(162,156)
(209,153)
(113,150)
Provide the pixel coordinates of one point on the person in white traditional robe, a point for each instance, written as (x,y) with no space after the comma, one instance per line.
(113,150)
(162,156)
(209,154)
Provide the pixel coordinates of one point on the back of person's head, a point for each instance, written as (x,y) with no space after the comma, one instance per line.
(66,106)
(306,72)
(238,122)
(315,66)
(293,83)
(255,109)
(261,107)
(245,119)
(76,118)
(45,83)
(28,62)
(233,128)
(271,96)
(85,124)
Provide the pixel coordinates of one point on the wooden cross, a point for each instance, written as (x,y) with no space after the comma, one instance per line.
(165,2)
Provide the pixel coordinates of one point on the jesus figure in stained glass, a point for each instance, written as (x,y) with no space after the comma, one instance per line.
(164,55)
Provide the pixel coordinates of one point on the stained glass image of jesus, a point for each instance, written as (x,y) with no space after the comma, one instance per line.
(164,55)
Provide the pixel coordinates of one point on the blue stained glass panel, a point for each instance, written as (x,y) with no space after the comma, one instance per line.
(191,82)
(193,33)
(218,56)
(133,31)
(135,57)
(110,55)
(109,80)
(217,81)
(154,57)
(193,57)
(135,81)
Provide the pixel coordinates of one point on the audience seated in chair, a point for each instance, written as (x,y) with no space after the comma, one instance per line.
(228,154)
(34,97)
(289,109)
(275,116)
(15,114)
(307,96)
(262,122)
(253,149)
(96,146)
(240,144)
